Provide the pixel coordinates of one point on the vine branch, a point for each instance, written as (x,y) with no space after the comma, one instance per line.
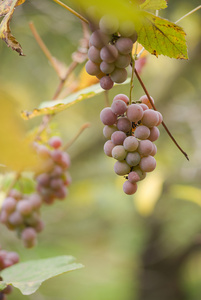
(189,13)
(154,107)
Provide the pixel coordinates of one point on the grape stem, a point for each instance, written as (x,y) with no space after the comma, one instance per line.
(72,11)
(154,107)
(189,13)
(82,128)
(132,79)
(107,102)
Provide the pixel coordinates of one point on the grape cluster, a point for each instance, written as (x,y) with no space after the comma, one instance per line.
(21,213)
(7,259)
(53,183)
(110,46)
(131,131)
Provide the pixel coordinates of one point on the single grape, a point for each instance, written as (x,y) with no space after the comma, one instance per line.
(142,132)
(43,151)
(134,112)
(124,45)
(43,179)
(154,134)
(39,226)
(9,204)
(121,168)
(154,151)
(24,207)
(147,164)
(145,147)
(106,83)
(123,61)
(98,39)
(118,152)
(118,137)
(107,116)
(109,24)
(29,237)
(145,100)
(56,183)
(123,124)
(94,54)
(92,68)
(129,188)
(109,53)
(133,159)
(16,219)
(121,97)
(127,28)
(35,201)
(144,106)
(65,160)
(119,107)
(133,177)
(108,131)
(55,142)
(150,118)
(130,143)
(119,75)
(108,146)
(106,67)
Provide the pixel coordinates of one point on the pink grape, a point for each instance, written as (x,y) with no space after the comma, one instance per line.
(16,219)
(145,147)
(119,107)
(145,100)
(144,106)
(124,45)
(130,143)
(147,164)
(160,118)
(121,97)
(107,116)
(119,75)
(154,134)
(118,137)
(94,54)
(92,68)
(150,118)
(109,53)
(140,173)
(133,177)
(106,83)
(35,201)
(108,131)
(154,151)
(123,61)
(121,168)
(9,204)
(129,188)
(134,112)
(142,132)
(123,124)
(55,142)
(24,207)
(106,67)
(98,39)
(108,146)
(118,152)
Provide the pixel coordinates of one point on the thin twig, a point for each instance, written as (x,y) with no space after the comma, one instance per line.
(72,11)
(189,13)
(82,128)
(107,102)
(154,107)
(132,78)
(44,48)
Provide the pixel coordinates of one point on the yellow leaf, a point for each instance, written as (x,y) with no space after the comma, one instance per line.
(148,193)
(86,80)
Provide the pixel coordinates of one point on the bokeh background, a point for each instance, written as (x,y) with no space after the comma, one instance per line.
(141,247)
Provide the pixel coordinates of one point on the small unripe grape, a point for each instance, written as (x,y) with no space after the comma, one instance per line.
(109,53)
(123,124)
(92,68)
(119,75)
(142,132)
(121,97)
(154,134)
(119,107)
(106,67)
(107,116)
(145,147)
(118,152)
(124,45)
(108,146)
(118,137)
(94,54)
(123,61)
(130,143)
(108,131)
(55,142)
(106,83)
(133,177)
(129,188)
(150,118)
(109,24)
(121,168)
(133,159)
(98,39)
(134,112)
(147,164)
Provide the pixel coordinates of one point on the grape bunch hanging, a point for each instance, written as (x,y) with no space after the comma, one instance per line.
(131,131)
(7,259)
(110,51)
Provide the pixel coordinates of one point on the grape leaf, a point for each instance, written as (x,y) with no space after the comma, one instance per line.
(160,36)
(28,276)
(7,9)
(56,106)
(154,4)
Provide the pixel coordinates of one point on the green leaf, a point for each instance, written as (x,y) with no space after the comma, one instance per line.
(56,106)
(3,285)
(154,4)
(160,36)
(28,276)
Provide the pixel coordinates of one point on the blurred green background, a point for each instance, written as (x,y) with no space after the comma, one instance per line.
(140,247)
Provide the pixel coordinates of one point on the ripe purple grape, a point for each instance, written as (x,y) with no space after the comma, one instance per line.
(107,116)
(123,61)
(118,137)
(123,124)
(150,118)
(106,67)
(92,68)
(99,39)
(109,53)
(106,83)
(119,107)
(129,188)
(135,112)
(94,54)
(119,75)
(145,147)
(147,164)
(124,45)
(142,132)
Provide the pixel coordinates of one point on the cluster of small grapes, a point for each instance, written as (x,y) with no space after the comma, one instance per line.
(53,183)
(20,212)
(7,259)
(110,48)
(131,131)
